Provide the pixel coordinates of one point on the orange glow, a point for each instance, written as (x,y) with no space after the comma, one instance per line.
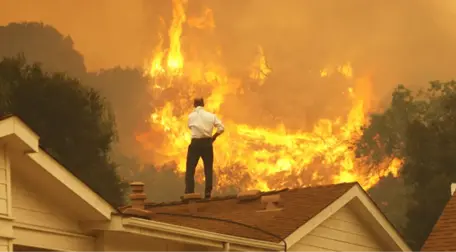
(260,69)
(175,60)
(204,22)
(345,70)
(254,157)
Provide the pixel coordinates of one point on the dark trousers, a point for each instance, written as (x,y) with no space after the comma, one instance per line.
(199,148)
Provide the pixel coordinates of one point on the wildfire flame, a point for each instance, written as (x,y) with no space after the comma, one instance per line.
(251,157)
(345,69)
(260,69)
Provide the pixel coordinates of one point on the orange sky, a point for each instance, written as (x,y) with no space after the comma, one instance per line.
(407,42)
(396,42)
(387,34)
(100,29)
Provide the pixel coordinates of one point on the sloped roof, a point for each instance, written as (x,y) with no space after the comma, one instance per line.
(299,206)
(21,139)
(443,235)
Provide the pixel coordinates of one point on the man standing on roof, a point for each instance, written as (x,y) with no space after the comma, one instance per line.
(201,124)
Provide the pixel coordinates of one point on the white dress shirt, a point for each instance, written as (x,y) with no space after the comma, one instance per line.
(201,123)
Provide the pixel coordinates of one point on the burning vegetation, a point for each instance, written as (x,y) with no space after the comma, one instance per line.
(249,156)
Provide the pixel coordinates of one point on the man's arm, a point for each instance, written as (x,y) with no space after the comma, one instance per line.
(189,120)
(219,126)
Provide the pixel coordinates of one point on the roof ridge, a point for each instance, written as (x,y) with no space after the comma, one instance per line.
(338,184)
(218,198)
(303,205)
(234,196)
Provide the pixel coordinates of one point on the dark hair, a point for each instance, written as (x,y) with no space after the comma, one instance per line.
(198,102)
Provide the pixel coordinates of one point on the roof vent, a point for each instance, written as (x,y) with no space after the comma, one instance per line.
(270,202)
(453,188)
(137,198)
(248,195)
(191,199)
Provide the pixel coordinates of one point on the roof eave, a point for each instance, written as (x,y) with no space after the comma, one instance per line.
(20,138)
(356,192)
(201,236)
(316,220)
(395,239)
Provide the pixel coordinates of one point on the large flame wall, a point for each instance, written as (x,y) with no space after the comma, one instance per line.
(250,156)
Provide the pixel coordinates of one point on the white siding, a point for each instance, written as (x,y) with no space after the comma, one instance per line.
(115,241)
(52,240)
(5,200)
(39,222)
(343,231)
(5,245)
(33,208)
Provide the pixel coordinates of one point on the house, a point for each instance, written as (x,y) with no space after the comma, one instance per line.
(44,207)
(443,235)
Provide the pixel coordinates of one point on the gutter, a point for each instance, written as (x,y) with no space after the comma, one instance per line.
(215,239)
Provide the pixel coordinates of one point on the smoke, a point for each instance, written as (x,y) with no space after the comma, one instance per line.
(401,41)
(394,42)
(409,42)
(106,32)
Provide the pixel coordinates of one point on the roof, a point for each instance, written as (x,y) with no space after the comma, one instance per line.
(302,210)
(299,206)
(443,235)
(240,224)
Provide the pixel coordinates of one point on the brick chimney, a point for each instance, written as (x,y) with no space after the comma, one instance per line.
(453,188)
(137,196)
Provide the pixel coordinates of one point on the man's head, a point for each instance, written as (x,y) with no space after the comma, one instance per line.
(198,102)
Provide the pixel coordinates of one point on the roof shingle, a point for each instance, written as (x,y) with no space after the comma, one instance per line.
(299,206)
(443,235)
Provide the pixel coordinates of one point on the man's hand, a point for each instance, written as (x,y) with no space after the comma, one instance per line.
(214,137)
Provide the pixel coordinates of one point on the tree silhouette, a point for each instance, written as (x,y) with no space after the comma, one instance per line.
(420,128)
(127,92)
(72,121)
(42,43)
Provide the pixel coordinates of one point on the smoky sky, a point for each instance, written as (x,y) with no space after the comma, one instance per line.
(393,42)
(400,40)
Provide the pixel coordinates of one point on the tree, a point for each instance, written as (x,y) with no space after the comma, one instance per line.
(391,196)
(420,128)
(42,43)
(73,122)
(128,92)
